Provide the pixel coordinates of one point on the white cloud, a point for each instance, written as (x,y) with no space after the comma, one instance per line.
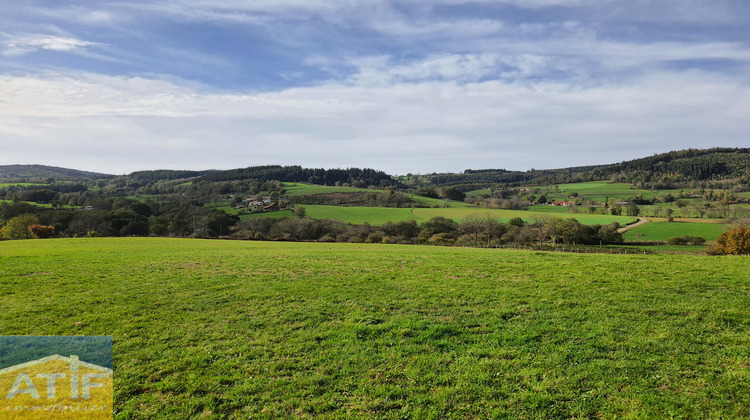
(27,44)
(125,124)
(460,68)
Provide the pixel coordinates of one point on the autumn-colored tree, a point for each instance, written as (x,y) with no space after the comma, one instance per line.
(18,227)
(41,231)
(733,242)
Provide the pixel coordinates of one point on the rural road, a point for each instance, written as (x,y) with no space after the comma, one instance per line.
(641,221)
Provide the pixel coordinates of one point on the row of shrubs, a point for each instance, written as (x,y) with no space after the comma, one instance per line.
(687,240)
(473,231)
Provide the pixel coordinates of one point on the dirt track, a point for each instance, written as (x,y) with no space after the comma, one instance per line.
(641,221)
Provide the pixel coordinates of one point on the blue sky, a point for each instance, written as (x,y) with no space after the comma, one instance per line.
(400,86)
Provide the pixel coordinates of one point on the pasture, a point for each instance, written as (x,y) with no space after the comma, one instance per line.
(230,329)
(295,189)
(599,191)
(21,184)
(43,205)
(663,231)
(377,216)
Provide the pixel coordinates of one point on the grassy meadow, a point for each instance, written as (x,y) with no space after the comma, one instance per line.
(21,184)
(42,205)
(663,231)
(295,189)
(230,329)
(600,191)
(377,216)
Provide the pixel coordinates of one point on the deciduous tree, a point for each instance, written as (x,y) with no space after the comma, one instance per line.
(733,242)
(41,231)
(18,227)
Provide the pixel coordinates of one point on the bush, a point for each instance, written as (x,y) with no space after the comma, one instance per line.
(732,242)
(686,240)
(441,239)
(375,238)
(41,231)
(18,227)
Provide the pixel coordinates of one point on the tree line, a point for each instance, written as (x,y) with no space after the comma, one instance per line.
(118,217)
(125,217)
(475,230)
(676,169)
(356,177)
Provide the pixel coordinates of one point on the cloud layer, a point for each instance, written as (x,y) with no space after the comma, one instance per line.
(398,86)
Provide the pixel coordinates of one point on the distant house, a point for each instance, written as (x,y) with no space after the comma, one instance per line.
(88,207)
(271,207)
(252,202)
(563,203)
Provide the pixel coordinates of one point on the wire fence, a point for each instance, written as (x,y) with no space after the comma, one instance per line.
(576,249)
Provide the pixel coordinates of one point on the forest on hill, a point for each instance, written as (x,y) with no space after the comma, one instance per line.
(684,168)
(40,172)
(676,169)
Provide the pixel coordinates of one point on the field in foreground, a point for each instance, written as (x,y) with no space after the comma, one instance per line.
(225,329)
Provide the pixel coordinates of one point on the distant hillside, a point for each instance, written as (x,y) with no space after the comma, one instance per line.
(673,169)
(165,175)
(663,170)
(683,165)
(27,172)
(355,177)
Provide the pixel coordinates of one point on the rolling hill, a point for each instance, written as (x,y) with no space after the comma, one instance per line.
(27,172)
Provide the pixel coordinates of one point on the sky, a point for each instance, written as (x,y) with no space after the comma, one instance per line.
(402,86)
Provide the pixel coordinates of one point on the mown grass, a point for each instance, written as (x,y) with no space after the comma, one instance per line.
(225,329)
(42,205)
(283,214)
(295,189)
(21,184)
(144,197)
(663,231)
(438,202)
(377,216)
(600,191)
(459,214)
(549,209)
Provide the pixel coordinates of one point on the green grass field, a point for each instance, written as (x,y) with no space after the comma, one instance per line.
(663,231)
(21,184)
(230,329)
(377,216)
(46,206)
(299,189)
(144,197)
(295,189)
(486,191)
(438,202)
(505,215)
(555,210)
(600,190)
